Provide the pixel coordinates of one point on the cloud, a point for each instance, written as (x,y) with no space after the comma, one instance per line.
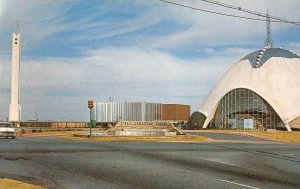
(63,85)
(81,24)
(294,47)
(2,7)
(37,20)
(213,30)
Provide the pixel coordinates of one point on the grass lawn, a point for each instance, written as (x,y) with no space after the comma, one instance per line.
(13,184)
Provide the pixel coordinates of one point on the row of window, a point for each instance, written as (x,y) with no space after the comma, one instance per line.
(243,108)
(128,111)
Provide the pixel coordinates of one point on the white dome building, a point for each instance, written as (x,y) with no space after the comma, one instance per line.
(260,91)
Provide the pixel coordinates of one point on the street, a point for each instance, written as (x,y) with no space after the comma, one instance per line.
(55,163)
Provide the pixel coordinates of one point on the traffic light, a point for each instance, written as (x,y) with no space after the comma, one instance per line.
(90,104)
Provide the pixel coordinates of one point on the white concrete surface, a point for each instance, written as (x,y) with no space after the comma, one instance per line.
(277,81)
(15,107)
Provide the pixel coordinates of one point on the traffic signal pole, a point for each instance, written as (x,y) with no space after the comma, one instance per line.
(90,136)
(90,105)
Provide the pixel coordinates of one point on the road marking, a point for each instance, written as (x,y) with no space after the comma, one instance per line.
(217,160)
(237,183)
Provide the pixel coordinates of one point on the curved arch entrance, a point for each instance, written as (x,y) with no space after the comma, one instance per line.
(244,109)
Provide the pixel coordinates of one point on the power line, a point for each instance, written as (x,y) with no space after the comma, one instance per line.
(250,11)
(278,20)
(208,11)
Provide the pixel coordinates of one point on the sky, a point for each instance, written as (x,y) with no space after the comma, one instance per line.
(131,50)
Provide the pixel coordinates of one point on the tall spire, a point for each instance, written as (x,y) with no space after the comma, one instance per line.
(15,107)
(17,24)
(268,42)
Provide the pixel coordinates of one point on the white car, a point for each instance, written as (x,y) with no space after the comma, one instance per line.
(7,131)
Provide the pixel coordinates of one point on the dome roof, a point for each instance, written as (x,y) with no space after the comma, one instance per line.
(259,57)
(277,81)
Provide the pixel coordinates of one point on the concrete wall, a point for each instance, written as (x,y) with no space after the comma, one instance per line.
(53,124)
(144,132)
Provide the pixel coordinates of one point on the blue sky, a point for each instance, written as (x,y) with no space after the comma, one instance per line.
(134,50)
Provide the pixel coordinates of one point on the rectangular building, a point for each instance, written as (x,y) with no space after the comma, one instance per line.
(176,112)
(127,111)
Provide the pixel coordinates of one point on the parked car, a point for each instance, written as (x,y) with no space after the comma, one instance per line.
(7,131)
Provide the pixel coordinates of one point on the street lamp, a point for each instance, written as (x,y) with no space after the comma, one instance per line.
(36,117)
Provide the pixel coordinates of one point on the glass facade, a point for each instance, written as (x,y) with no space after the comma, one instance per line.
(196,120)
(244,109)
(128,111)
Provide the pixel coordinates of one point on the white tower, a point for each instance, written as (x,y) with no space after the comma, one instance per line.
(15,107)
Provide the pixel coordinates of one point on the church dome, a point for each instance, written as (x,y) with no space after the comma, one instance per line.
(259,57)
(272,74)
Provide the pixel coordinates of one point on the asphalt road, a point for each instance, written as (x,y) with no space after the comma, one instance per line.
(75,164)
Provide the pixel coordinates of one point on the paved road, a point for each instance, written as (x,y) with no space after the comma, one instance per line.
(75,164)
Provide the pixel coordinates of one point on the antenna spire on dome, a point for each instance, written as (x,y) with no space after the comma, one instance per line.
(268,42)
(17,26)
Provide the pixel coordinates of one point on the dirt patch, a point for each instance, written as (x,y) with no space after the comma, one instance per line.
(13,158)
(50,133)
(13,184)
(279,136)
(178,138)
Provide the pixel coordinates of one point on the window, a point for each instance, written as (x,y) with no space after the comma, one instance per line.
(240,104)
